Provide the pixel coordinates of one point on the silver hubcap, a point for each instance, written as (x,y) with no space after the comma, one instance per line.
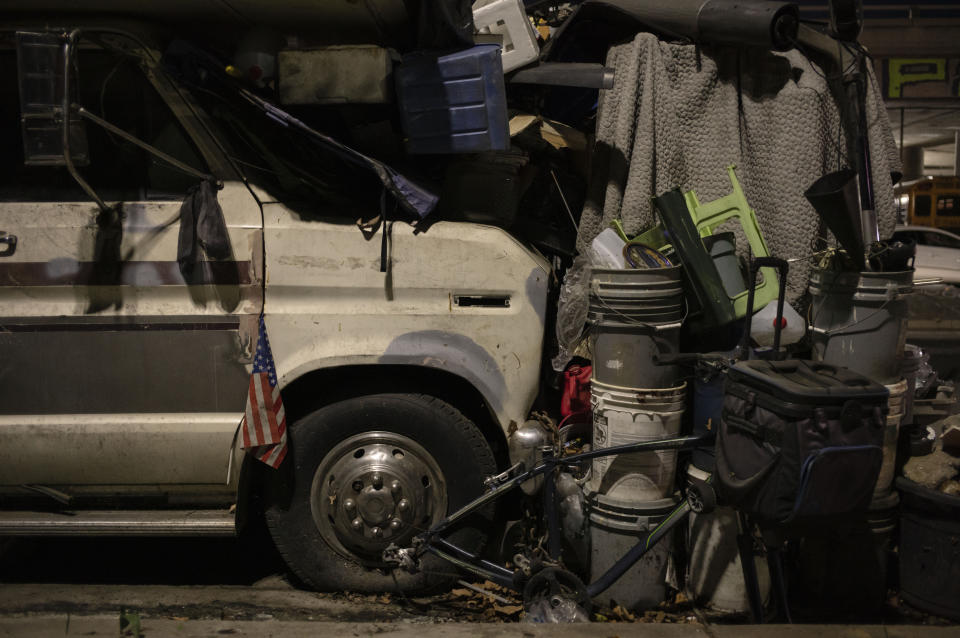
(373,489)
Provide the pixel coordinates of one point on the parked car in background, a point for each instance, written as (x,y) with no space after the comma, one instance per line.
(938,252)
(931,201)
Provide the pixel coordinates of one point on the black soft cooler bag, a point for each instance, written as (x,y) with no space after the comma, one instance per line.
(799,440)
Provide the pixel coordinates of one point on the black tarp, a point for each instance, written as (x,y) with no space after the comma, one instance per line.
(442,24)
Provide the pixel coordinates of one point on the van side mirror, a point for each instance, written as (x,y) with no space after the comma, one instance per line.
(40,67)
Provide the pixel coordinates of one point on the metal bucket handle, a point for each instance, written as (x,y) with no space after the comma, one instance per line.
(894,292)
(831,331)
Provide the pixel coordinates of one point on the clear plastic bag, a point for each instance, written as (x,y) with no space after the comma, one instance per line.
(572,311)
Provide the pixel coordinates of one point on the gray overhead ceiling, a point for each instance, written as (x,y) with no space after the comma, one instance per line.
(925,126)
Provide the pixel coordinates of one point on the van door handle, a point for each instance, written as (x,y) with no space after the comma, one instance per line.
(9,243)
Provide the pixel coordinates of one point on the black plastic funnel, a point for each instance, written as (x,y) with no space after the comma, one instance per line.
(836,199)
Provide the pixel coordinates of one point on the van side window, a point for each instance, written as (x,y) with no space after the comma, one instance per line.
(921,206)
(112,86)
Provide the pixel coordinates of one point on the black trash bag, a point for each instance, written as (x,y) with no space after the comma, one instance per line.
(106,276)
(443,24)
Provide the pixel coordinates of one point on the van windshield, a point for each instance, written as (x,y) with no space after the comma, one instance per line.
(285,157)
(280,160)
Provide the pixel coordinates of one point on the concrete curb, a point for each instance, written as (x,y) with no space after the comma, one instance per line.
(102,625)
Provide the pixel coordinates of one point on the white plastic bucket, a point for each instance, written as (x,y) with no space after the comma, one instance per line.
(639,396)
(637,477)
(897,394)
(609,401)
(635,316)
(891,432)
(859,320)
(624,355)
(714,573)
(670,400)
(615,527)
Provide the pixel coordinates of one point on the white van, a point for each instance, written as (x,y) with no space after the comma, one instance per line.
(124,373)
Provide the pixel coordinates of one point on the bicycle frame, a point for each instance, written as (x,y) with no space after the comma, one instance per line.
(431,542)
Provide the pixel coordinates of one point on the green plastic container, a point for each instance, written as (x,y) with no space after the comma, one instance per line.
(708,217)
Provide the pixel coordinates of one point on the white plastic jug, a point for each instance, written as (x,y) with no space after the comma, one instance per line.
(606,250)
(763,326)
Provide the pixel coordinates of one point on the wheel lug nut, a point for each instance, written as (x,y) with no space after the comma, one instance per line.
(356,524)
(395,524)
(395,487)
(403,505)
(377,481)
(350,504)
(357,486)
(377,532)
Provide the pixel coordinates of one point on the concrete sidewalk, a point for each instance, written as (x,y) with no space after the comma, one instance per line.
(273,608)
(103,625)
(193,603)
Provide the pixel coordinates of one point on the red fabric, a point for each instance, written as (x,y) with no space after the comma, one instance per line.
(576,390)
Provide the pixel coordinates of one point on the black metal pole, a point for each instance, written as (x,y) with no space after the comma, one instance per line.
(471,562)
(857,97)
(901,134)
(679,443)
(749,567)
(775,562)
(550,462)
(551,512)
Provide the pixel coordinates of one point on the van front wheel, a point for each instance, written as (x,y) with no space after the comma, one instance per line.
(368,472)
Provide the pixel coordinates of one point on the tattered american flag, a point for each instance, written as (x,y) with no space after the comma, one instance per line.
(264,425)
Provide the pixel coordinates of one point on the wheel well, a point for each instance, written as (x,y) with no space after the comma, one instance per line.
(322,387)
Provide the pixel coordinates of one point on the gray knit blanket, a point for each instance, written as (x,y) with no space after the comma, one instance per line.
(679,114)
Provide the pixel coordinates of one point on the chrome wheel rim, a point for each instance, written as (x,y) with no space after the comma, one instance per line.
(373,489)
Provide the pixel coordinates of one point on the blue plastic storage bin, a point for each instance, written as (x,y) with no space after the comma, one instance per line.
(453,102)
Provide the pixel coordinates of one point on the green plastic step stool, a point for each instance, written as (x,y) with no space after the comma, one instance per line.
(707,218)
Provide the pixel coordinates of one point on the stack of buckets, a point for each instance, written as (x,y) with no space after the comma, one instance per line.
(635,315)
(859,321)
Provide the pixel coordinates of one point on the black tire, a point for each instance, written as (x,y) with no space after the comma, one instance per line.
(702,497)
(307,509)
